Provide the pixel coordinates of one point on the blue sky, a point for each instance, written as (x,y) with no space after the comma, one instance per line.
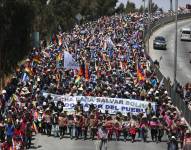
(165,4)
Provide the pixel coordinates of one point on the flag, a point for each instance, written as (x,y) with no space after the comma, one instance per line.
(105,45)
(140,73)
(17,68)
(110,43)
(36,59)
(161,82)
(77,80)
(110,53)
(87,72)
(34,127)
(59,57)
(69,61)
(104,56)
(25,77)
(46,54)
(59,40)
(29,71)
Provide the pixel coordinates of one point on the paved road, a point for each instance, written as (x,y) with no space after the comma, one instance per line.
(43,142)
(167,62)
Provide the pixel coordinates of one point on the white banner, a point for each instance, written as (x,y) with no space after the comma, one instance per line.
(113,105)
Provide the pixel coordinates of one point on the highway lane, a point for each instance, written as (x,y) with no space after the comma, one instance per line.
(167,61)
(43,142)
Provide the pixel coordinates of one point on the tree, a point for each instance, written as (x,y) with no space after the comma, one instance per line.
(130,7)
(15,32)
(19,18)
(120,9)
(154,7)
(141,9)
(105,7)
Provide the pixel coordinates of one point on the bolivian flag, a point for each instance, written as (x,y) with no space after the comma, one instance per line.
(87,72)
(59,57)
(37,59)
(29,71)
(77,80)
(140,74)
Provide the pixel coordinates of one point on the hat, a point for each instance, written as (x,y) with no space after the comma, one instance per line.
(54,112)
(154,117)
(44,103)
(165,92)
(160,117)
(80,89)
(157,92)
(4,92)
(173,137)
(188,132)
(27,59)
(169,98)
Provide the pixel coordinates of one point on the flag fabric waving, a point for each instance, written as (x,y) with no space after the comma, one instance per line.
(140,73)
(87,72)
(69,61)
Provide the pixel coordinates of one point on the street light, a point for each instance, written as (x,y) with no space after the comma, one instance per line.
(149,19)
(175,50)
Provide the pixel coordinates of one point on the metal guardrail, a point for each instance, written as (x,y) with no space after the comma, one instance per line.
(176,99)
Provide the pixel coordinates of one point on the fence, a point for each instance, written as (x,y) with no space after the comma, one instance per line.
(176,99)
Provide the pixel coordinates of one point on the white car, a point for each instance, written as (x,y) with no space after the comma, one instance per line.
(185,34)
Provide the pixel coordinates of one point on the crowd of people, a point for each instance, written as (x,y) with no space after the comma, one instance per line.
(112,63)
(185,93)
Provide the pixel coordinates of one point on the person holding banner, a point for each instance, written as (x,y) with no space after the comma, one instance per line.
(109,126)
(78,129)
(85,125)
(93,126)
(62,122)
(125,127)
(71,125)
(117,127)
(133,129)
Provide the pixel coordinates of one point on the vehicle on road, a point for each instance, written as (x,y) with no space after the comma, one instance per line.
(159,43)
(185,34)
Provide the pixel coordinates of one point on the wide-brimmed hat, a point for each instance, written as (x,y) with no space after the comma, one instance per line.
(4,92)
(188,132)
(154,117)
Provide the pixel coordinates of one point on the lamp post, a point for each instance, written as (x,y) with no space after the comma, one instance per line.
(144,18)
(171,9)
(149,20)
(175,49)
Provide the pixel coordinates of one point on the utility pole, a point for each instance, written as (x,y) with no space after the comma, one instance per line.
(144,17)
(171,8)
(175,50)
(149,20)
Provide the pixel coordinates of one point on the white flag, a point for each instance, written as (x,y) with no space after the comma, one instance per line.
(69,62)
(161,82)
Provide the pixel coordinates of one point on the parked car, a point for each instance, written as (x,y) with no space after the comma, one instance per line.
(159,43)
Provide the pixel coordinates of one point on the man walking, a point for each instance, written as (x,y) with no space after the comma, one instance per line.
(103,137)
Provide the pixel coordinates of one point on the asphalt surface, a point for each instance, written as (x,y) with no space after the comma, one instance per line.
(43,142)
(183,55)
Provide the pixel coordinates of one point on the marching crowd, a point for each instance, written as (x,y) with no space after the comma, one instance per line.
(112,63)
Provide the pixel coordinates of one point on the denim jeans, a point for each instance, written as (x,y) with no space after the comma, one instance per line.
(55,129)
